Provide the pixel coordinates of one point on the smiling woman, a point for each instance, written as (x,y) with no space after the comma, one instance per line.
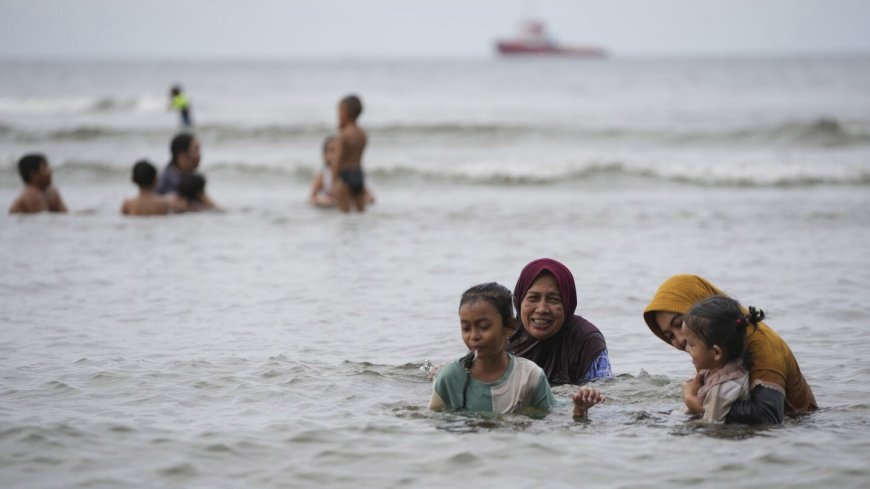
(570,349)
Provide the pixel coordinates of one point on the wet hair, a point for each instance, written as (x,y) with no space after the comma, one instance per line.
(720,321)
(180,144)
(29,164)
(144,173)
(499,297)
(353,105)
(191,187)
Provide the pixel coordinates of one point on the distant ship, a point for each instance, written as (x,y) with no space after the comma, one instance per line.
(533,40)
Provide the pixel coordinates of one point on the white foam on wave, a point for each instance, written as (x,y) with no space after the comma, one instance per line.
(76,104)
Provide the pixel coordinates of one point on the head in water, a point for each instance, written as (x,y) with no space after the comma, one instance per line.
(186,152)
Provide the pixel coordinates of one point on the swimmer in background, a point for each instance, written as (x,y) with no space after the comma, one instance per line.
(191,196)
(186,154)
(178,101)
(322,191)
(322,187)
(347,173)
(39,195)
(147,203)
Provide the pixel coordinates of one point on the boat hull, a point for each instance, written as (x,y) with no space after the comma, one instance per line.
(515,48)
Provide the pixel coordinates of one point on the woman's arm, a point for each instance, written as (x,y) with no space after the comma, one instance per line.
(765,406)
(600,368)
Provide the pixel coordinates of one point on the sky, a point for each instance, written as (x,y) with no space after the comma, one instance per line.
(407,29)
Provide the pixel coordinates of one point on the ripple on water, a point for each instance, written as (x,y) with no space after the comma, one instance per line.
(181,470)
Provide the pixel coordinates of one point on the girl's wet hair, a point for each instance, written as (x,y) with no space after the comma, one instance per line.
(720,321)
(496,295)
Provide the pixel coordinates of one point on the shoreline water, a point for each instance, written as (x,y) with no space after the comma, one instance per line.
(276,345)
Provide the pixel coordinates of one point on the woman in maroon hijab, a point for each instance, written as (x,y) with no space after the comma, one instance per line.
(570,349)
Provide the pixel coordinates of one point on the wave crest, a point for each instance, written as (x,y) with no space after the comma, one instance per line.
(821,132)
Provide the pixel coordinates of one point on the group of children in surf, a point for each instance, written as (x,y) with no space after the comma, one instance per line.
(180,188)
(745,372)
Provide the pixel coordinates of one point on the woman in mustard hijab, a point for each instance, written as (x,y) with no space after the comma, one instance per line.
(776,383)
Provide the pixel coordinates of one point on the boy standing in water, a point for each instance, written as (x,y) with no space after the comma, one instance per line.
(38,194)
(148,203)
(351,142)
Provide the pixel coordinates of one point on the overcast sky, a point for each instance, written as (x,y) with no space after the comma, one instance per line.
(318,29)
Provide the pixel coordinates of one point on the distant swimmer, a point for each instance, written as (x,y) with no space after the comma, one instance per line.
(348,173)
(191,196)
(178,101)
(322,187)
(322,191)
(148,202)
(39,195)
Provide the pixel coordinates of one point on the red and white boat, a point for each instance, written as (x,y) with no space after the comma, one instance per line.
(533,40)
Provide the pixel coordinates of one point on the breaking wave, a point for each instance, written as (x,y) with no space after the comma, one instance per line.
(822,132)
(481,174)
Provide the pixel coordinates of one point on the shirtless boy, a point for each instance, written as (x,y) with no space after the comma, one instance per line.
(351,142)
(38,194)
(148,203)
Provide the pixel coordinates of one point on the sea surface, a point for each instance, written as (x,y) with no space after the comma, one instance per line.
(274,345)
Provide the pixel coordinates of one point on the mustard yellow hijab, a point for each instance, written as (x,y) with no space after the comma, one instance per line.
(773,364)
(677,294)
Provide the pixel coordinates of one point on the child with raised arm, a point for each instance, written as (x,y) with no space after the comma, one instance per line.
(347,173)
(39,195)
(715,330)
(147,203)
(489,379)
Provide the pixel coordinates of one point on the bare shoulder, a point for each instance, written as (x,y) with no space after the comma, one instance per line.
(55,203)
(29,201)
(18,206)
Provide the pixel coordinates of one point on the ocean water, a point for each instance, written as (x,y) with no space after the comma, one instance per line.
(276,345)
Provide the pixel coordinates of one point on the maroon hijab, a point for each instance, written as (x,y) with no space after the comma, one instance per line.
(568,354)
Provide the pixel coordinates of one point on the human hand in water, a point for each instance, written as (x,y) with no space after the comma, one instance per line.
(690,393)
(429,370)
(584,399)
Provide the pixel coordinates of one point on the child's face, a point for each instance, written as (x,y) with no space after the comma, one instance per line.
(331,152)
(703,356)
(542,311)
(482,328)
